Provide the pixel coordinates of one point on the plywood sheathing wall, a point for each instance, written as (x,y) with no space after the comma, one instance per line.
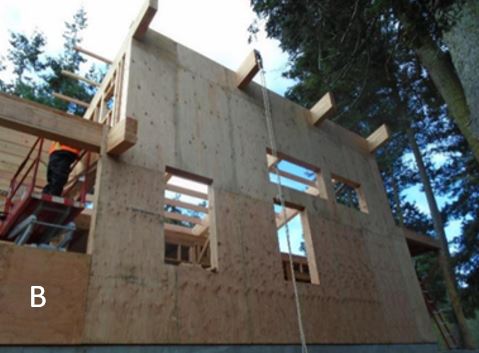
(192,117)
(64,277)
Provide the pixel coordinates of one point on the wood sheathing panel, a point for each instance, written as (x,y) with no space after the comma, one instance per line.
(65,279)
(192,117)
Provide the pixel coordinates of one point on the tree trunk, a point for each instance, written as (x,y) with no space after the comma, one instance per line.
(443,74)
(397,199)
(444,255)
(462,40)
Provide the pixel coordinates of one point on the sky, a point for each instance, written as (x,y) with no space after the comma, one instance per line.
(214,28)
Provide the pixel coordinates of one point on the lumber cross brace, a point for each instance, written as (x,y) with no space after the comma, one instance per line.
(40,120)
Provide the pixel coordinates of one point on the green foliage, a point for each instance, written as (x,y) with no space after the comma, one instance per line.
(37,74)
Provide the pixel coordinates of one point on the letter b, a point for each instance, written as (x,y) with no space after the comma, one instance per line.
(35,294)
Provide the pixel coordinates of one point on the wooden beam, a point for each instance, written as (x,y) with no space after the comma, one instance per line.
(378,138)
(39,120)
(184,218)
(181,190)
(187,205)
(122,136)
(281,220)
(200,229)
(82,221)
(271,160)
(174,237)
(324,109)
(337,178)
(93,55)
(293,177)
(80,78)
(71,100)
(178,229)
(248,69)
(419,243)
(142,22)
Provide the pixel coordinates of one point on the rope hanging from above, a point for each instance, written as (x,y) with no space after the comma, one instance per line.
(280,196)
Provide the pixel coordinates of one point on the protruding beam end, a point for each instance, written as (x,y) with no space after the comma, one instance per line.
(248,69)
(122,136)
(324,109)
(378,138)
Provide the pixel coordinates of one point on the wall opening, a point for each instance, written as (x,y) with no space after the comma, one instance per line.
(186,218)
(349,193)
(295,174)
(304,263)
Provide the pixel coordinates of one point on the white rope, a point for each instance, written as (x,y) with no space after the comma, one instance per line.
(274,153)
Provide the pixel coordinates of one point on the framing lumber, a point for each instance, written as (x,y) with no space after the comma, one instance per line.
(71,100)
(419,243)
(142,22)
(122,136)
(200,229)
(378,138)
(293,177)
(184,218)
(39,120)
(324,109)
(181,190)
(93,55)
(178,229)
(189,206)
(248,69)
(180,238)
(338,178)
(79,78)
(281,220)
(271,160)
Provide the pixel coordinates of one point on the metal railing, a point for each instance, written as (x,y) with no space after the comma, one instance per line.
(30,170)
(14,185)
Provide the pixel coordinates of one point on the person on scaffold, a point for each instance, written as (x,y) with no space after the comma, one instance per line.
(58,170)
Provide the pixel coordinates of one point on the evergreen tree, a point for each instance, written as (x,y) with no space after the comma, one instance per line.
(37,74)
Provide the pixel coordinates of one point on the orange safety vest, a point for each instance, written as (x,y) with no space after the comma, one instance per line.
(57,146)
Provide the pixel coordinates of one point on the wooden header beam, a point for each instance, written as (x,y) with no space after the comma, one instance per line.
(93,55)
(142,22)
(80,78)
(419,243)
(248,69)
(378,138)
(324,109)
(71,100)
(37,119)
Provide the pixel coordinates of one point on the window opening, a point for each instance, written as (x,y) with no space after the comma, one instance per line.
(301,261)
(349,193)
(186,219)
(295,175)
